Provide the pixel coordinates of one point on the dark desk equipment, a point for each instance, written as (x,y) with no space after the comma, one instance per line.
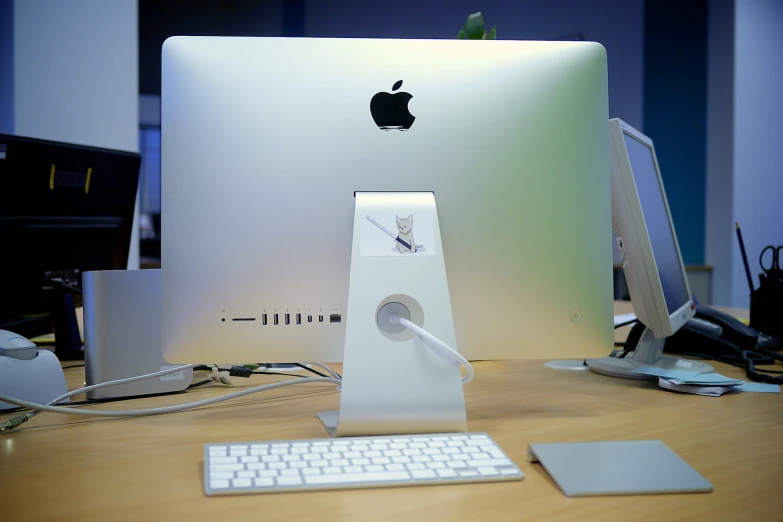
(64,209)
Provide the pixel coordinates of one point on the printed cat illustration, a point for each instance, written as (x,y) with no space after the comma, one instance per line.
(405,232)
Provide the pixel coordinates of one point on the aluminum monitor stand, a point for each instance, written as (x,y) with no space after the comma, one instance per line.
(393,383)
(648,352)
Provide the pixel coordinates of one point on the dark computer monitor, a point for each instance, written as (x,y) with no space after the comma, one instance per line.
(64,209)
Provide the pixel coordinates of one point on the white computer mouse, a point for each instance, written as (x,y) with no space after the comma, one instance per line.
(17,347)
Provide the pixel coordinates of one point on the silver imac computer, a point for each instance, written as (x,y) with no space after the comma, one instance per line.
(309,183)
(650,254)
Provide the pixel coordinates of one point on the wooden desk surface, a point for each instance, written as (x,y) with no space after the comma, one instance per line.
(60,467)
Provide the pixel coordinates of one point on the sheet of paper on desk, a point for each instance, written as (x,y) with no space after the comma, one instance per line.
(710,391)
(758,387)
(623,318)
(706,379)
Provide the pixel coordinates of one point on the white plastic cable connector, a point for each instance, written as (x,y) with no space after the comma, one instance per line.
(436,344)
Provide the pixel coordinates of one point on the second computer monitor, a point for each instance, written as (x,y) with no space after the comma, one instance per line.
(265,141)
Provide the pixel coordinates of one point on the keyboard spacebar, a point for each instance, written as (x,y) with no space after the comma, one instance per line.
(353,478)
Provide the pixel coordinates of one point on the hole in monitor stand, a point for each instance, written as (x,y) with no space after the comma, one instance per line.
(645,350)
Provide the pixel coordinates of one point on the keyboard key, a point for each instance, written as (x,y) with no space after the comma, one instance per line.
(381,460)
(479,436)
(223,460)
(259,452)
(311,456)
(459,437)
(219,484)
(246,474)
(490,462)
(450,451)
(350,478)
(421,458)
(440,438)
(311,471)
(264,482)
(353,454)
(278,451)
(248,459)
(238,451)
(423,474)
(398,446)
(370,454)
(431,451)
(259,447)
(392,453)
(289,473)
(277,465)
(222,475)
(300,450)
(460,456)
(410,452)
(436,465)
(403,440)
(475,442)
(420,439)
(360,462)
(457,464)
(339,462)
(455,443)
(241,483)
(319,463)
(270,458)
(441,458)
(353,469)
(480,455)
(297,464)
(259,465)
(300,444)
(415,465)
(379,447)
(360,441)
(333,455)
(470,449)
(488,471)
(401,460)
(380,441)
(374,467)
(289,458)
(360,447)
(289,481)
(392,467)
(418,445)
(226,467)
(280,445)
(268,473)
(437,444)
(322,443)
(446,473)
(468,473)
(333,469)
(218,448)
(509,471)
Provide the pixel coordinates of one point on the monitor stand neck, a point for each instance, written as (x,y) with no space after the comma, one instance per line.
(648,349)
(393,383)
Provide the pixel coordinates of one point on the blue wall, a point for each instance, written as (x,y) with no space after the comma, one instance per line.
(7,66)
(675,111)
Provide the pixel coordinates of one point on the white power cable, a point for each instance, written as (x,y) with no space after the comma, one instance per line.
(324,367)
(166,409)
(437,345)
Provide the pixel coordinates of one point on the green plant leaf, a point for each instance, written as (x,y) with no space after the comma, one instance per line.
(492,33)
(462,35)
(474,27)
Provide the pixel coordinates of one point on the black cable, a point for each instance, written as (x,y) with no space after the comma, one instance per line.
(626,323)
(277,373)
(73,366)
(302,366)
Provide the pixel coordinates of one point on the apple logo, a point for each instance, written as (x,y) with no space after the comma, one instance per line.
(390,111)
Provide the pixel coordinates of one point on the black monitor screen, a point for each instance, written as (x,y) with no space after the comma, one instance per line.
(664,246)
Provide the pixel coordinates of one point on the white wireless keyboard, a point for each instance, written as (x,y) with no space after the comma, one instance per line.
(354,462)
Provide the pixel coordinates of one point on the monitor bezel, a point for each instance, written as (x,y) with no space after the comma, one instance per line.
(639,266)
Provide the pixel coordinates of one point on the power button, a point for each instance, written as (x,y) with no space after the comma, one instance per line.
(575,316)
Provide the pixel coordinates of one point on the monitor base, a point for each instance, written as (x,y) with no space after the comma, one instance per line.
(616,367)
